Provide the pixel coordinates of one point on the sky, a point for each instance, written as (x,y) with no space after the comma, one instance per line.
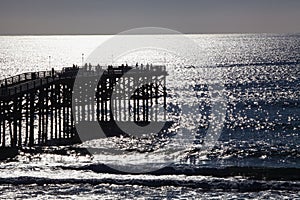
(23,17)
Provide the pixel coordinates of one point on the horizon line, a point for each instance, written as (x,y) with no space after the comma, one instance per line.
(94,34)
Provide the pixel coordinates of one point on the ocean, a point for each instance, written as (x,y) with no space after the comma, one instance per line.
(257,152)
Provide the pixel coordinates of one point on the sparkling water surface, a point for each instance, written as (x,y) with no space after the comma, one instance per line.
(261,78)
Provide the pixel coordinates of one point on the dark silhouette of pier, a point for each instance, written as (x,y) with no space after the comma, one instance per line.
(36,108)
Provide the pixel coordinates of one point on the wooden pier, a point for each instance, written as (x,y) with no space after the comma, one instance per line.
(36,108)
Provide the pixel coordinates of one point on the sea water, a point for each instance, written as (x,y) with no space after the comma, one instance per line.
(260,74)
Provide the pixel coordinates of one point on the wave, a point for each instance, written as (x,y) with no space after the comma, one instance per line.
(253,173)
(206,184)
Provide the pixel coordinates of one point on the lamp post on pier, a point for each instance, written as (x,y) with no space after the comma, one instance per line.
(82,59)
(49,62)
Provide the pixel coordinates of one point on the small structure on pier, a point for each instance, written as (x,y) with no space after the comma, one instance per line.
(37,108)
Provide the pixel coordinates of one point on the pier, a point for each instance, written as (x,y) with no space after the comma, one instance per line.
(37,108)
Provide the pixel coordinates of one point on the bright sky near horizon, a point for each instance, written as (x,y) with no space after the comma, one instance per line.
(113,16)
